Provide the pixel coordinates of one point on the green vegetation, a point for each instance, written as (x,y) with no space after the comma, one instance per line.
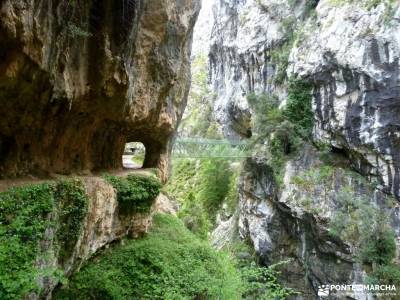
(169,263)
(285,129)
(322,176)
(172,263)
(259,282)
(293,32)
(25,214)
(135,192)
(368,227)
(201,187)
(298,108)
(309,179)
(138,158)
(262,282)
(378,248)
(72,208)
(356,219)
(74,19)
(377,239)
(385,274)
(23,217)
(367,4)
(268,119)
(75,31)
(279,55)
(390,7)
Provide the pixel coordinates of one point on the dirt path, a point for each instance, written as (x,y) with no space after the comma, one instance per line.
(127,162)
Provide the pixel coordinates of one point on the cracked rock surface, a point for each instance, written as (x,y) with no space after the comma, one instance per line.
(78,79)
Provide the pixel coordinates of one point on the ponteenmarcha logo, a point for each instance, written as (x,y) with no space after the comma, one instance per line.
(323,290)
(375,289)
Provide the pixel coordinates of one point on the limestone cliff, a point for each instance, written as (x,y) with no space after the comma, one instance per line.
(78,79)
(240,62)
(50,230)
(348,51)
(354,66)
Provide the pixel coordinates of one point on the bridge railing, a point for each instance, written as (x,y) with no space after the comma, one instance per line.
(209,148)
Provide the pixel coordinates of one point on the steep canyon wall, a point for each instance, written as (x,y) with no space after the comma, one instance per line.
(78,79)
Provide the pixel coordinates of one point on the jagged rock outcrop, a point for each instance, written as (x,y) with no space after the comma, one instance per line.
(293,222)
(278,233)
(105,222)
(78,79)
(240,63)
(353,63)
(349,52)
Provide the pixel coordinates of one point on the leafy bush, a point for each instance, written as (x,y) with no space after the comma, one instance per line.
(374,236)
(265,113)
(170,263)
(297,113)
(214,184)
(385,274)
(184,187)
(259,282)
(298,108)
(202,187)
(377,241)
(280,57)
(25,214)
(262,282)
(366,226)
(76,31)
(72,201)
(23,221)
(286,129)
(135,192)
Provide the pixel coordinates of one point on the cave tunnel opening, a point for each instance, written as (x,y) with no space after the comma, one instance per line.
(134,155)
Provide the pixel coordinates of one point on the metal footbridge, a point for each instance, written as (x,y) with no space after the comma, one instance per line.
(209,148)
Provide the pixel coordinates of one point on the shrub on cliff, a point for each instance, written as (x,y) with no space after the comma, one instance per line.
(201,186)
(282,130)
(298,109)
(377,239)
(135,191)
(25,215)
(169,263)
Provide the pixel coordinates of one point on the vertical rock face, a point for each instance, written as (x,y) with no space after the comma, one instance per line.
(278,232)
(243,33)
(354,65)
(293,221)
(78,79)
(350,54)
(104,223)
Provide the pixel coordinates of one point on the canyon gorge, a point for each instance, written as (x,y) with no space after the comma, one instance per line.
(311,87)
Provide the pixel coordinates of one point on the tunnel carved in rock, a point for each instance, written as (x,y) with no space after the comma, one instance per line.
(78,79)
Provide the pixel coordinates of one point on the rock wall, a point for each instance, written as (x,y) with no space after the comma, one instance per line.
(78,79)
(349,52)
(354,66)
(239,60)
(294,221)
(278,232)
(105,223)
